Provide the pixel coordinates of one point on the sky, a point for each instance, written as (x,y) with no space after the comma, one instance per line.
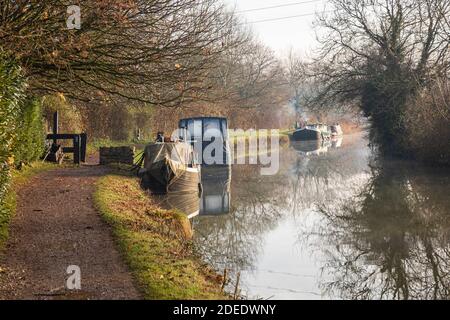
(281,35)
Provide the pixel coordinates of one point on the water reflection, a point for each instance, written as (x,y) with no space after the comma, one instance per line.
(316,147)
(312,147)
(337,142)
(231,241)
(260,204)
(188,203)
(392,241)
(215,198)
(334,224)
(216,194)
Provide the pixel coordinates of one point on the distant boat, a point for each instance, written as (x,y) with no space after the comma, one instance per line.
(317,131)
(336,130)
(170,167)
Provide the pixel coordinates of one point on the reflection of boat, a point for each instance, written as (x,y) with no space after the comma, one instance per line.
(309,148)
(336,142)
(216,199)
(170,167)
(312,132)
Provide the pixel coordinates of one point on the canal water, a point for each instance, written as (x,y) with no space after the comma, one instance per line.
(336,222)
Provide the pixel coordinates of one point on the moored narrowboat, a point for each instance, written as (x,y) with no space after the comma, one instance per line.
(336,130)
(170,167)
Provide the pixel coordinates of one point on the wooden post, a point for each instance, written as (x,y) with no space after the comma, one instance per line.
(76,149)
(79,145)
(55,125)
(83,146)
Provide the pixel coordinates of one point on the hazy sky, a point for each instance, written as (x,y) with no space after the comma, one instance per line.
(281,35)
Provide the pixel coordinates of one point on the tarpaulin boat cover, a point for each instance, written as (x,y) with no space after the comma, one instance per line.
(177,156)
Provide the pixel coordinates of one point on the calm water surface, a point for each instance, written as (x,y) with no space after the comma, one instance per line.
(335,222)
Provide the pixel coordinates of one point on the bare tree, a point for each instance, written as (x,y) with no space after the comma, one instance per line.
(377,53)
(154,51)
(249,76)
(297,78)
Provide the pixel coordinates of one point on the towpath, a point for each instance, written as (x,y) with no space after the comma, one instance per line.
(57,226)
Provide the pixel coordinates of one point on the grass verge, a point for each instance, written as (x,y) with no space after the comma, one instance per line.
(154,242)
(266,133)
(8,206)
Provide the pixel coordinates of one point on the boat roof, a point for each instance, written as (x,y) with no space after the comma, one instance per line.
(204,118)
(316,125)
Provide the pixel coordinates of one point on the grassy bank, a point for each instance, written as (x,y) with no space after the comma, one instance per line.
(155,243)
(246,134)
(8,207)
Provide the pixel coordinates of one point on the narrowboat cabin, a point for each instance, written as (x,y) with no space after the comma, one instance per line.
(209,138)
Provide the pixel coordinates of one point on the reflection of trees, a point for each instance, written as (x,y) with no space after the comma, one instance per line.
(393,241)
(323,178)
(233,241)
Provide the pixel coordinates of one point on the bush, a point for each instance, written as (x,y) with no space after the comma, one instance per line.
(21,132)
(12,87)
(30,137)
(428,124)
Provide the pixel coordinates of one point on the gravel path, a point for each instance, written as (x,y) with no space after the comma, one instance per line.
(56,226)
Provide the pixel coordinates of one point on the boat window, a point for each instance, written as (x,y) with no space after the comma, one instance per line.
(195,128)
(190,127)
(182,124)
(211,128)
(182,127)
(211,124)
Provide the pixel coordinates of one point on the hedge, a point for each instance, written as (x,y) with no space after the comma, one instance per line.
(21,129)
(29,141)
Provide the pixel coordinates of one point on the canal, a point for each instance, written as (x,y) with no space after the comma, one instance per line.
(336,221)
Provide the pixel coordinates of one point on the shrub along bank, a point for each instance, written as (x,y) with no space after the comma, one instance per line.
(21,134)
